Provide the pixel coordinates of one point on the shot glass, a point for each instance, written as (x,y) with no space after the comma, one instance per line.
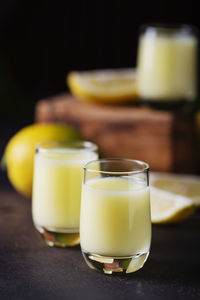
(115,224)
(58,175)
(167,63)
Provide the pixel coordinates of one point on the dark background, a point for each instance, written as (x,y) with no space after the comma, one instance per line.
(41,41)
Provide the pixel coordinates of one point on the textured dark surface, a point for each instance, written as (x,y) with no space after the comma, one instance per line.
(31,270)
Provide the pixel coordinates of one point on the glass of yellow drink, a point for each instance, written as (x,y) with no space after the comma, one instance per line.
(58,175)
(115,224)
(167,63)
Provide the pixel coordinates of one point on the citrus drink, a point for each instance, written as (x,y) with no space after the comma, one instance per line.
(58,177)
(167,60)
(115,217)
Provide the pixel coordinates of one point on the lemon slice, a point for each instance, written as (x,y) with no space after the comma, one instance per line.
(178,184)
(167,207)
(106,86)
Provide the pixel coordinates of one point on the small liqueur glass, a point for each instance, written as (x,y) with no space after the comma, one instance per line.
(58,176)
(167,63)
(115,224)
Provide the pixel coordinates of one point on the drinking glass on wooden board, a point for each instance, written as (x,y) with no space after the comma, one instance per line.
(167,63)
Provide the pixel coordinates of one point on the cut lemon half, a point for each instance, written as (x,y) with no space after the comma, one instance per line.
(105,86)
(178,184)
(167,207)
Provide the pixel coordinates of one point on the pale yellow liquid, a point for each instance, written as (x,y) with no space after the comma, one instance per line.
(58,176)
(115,217)
(167,67)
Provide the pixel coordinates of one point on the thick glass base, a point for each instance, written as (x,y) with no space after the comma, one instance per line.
(59,239)
(110,265)
(180,106)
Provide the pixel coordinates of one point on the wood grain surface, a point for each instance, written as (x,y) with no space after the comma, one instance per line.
(164,139)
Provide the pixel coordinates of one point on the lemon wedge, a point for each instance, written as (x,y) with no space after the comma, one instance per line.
(178,184)
(104,86)
(167,207)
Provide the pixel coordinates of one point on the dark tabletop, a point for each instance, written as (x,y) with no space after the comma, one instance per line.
(31,270)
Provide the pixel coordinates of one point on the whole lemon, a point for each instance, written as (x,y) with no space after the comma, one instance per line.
(19,152)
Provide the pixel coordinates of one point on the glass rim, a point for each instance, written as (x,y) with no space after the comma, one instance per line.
(81,145)
(170,27)
(139,162)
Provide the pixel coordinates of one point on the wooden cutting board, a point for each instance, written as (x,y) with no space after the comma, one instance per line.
(164,139)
